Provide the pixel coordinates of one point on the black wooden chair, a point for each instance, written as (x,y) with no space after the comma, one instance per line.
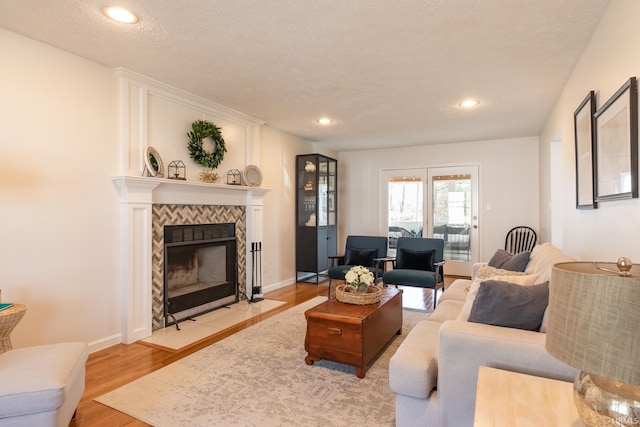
(520,239)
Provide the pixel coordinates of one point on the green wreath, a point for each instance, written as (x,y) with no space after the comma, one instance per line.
(202,129)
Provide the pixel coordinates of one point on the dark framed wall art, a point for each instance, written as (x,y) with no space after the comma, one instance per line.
(584,130)
(616,154)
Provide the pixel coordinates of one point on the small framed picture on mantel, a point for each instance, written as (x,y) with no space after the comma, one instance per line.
(616,154)
(584,128)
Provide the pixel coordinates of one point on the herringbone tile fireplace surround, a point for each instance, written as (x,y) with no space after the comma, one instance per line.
(163,215)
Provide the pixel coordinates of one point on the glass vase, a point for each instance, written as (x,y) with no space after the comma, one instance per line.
(361,288)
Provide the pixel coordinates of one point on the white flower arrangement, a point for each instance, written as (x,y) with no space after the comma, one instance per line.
(359,277)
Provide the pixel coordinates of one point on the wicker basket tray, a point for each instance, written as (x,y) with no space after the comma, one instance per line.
(348,295)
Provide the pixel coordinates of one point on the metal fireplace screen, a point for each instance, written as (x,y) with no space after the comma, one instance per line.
(200,269)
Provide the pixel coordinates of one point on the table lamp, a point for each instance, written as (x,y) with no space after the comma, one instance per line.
(594,325)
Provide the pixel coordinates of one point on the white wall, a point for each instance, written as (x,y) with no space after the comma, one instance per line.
(508,184)
(278,163)
(155,114)
(610,58)
(58,226)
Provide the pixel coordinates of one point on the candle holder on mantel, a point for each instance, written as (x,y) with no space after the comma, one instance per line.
(233,177)
(177,170)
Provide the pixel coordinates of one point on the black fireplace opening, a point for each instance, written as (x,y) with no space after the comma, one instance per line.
(200,269)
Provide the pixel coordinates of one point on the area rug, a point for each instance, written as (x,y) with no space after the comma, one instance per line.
(258,377)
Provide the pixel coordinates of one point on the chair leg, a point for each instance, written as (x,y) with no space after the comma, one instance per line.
(435,297)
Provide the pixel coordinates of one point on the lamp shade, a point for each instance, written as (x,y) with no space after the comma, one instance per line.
(594,320)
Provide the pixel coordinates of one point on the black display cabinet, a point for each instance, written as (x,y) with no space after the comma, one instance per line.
(316,216)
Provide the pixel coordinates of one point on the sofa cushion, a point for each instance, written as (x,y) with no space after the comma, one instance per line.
(507,261)
(463,315)
(446,310)
(38,379)
(487,272)
(457,291)
(543,258)
(523,280)
(545,321)
(518,279)
(507,304)
(416,260)
(357,256)
(413,369)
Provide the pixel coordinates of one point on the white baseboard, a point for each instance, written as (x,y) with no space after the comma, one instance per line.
(278,285)
(106,342)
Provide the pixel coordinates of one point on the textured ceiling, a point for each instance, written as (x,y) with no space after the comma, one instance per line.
(389,72)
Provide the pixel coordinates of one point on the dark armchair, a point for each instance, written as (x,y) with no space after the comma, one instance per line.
(419,263)
(359,250)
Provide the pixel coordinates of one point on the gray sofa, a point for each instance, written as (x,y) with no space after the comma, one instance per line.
(435,370)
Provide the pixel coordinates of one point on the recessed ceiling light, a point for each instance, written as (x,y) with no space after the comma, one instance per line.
(121,15)
(469,103)
(325,121)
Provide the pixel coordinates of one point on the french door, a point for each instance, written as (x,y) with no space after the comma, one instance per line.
(439,202)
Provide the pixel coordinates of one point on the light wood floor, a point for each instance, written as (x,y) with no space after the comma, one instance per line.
(116,366)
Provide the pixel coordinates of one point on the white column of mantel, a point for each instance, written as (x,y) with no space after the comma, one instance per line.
(255,233)
(136,201)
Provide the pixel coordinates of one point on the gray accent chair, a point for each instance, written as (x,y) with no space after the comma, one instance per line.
(359,250)
(419,263)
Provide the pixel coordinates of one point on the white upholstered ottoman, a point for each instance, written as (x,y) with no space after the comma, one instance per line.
(41,385)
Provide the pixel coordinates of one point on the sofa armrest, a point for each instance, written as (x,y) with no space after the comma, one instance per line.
(465,346)
(475,268)
(413,369)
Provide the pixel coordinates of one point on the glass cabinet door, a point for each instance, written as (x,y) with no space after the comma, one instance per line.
(332,198)
(323,185)
(307,191)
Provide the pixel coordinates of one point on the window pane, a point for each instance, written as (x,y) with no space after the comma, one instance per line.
(452,214)
(405,208)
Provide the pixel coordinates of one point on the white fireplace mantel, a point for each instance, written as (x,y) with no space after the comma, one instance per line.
(137,196)
(167,191)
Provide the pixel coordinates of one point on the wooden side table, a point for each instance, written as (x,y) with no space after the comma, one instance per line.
(512,399)
(9,318)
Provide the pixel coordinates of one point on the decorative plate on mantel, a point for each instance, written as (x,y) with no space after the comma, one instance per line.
(252,176)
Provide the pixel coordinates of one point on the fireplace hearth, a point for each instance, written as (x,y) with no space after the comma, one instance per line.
(200,269)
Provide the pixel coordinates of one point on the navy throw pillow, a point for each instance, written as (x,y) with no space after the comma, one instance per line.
(363,257)
(416,260)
